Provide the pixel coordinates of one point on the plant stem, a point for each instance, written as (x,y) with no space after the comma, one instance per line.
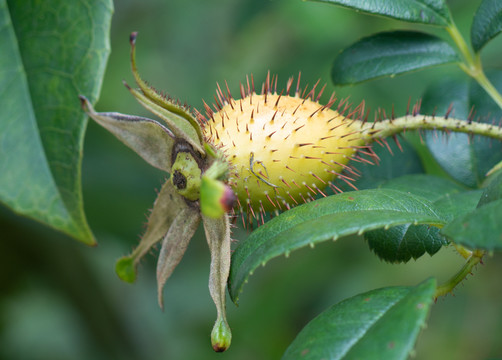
(448,286)
(382,129)
(472,64)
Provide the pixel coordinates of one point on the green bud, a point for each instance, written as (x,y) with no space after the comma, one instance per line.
(216,198)
(221,336)
(185,176)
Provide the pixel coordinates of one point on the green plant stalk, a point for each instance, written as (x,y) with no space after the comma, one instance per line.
(471,262)
(472,64)
(382,129)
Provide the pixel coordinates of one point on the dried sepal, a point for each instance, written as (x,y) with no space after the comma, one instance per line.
(218,238)
(177,117)
(150,139)
(178,125)
(165,209)
(175,243)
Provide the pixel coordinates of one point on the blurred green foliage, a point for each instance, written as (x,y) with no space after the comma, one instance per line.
(62,300)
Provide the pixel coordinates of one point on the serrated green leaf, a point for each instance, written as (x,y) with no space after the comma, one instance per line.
(465,160)
(50,52)
(325,219)
(390,54)
(487,23)
(479,229)
(380,324)
(403,242)
(430,12)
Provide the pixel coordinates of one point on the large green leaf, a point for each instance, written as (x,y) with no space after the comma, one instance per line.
(50,51)
(430,12)
(465,159)
(481,228)
(487,23)
(389,54)
(325,219)
(380,324)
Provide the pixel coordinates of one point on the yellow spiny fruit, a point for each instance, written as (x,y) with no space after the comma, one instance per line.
(284,150)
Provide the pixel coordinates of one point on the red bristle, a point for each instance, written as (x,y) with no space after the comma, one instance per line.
(279,98)
(320,93)
(294,111)
(408,106)
(242,90)
(308,187)
(284,181)
(269,199)
(288,85)
(318,178)
(292,198)
(304,90)
(273,117)
(321,192)
(398,143)
(334,188)
(217,106)
(298,84)
(287,167)
(350,184)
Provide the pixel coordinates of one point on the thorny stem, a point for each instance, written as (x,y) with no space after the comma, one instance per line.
(448,286)
(472,64)
(383,129)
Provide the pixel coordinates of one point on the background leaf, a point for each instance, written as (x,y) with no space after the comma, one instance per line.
(465,159)
(328,218)
(389,54)
(431,12)
(51,51)
(487,23)
(380,324)
(481,228)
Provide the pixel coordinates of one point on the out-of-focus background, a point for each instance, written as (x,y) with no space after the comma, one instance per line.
(62,300)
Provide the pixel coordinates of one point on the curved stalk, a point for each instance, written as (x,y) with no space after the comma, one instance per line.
(382,129)
(472,64)
(449,285)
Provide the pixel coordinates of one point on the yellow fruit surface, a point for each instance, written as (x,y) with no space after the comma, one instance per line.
(283,150)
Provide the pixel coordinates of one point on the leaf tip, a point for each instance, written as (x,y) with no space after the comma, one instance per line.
(126,269)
